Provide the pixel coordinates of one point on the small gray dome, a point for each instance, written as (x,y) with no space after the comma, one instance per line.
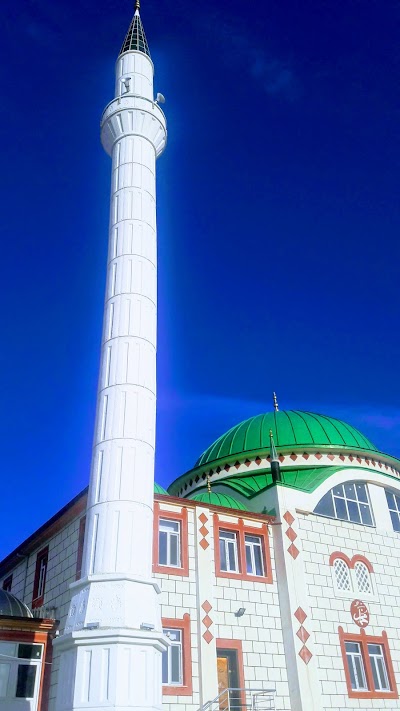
(12,607)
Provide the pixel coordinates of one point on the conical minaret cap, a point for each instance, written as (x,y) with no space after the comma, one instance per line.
(135,40)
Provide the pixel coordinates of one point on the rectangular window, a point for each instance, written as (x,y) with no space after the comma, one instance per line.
(172,673)
(378,665)
(368,666)
(242,551)
(254,555)
(394,509)
(356,666)
(7,583)
(169,543)
(176,660)
(228,550)
(39,584)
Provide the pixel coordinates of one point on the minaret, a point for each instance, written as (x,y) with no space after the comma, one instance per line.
(112,643)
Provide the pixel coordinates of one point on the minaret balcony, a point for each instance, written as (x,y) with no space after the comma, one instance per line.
(136,116)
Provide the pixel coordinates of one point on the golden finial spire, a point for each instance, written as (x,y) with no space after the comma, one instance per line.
(137,5)
(276,406)
(208,483)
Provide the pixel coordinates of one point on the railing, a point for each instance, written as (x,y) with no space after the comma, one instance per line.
(45,612)
(242,700)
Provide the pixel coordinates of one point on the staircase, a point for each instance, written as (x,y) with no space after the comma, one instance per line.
(242,700)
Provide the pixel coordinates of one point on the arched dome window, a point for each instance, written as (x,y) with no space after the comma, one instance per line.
(363,578)
(342,575)
(347,502)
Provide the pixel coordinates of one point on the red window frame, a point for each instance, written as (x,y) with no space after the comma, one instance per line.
(7,583)
(37,601)
(81,540)
(183,625)
(241,529)
(363,640)
(182,518)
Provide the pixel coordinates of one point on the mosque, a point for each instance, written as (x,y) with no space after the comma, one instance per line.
(266,578)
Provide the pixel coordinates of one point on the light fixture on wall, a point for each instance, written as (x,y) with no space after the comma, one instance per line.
(148,626)
(240,612)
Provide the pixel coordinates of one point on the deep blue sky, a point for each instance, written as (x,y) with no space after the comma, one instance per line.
(278,217)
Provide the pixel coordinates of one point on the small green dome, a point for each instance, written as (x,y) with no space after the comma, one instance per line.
(292,429)
(159,489)
(218,500)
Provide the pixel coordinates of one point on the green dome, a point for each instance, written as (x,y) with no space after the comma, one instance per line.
(159,489)
(292,429)
(218,500)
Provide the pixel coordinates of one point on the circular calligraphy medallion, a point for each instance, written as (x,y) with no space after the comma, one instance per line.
(359,613)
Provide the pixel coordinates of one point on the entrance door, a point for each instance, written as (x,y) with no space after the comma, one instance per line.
(20,671)
(228,678)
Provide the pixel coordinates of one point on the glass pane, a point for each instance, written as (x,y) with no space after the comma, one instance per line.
(350,491)
(341,511)
(354,513)
(252,539)
(8,649)
(176,664)
(227,535)
(232,556)
(390,499)
(338,490)
(352,647)
(174,550)
(173,635)
(29,651)
(165,667)
(360,675)
(362,493)
(4,674)
(374,649)
(258,559)
(395,521)
(382,674)
(249,563)
(166,525)
(162,548)
(222,554)
(366,515)
(352,672)
(325,506)
(26,681)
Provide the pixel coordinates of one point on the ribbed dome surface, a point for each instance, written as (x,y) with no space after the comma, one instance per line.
(292,429)
(159,489)
(11,606)
(216,499)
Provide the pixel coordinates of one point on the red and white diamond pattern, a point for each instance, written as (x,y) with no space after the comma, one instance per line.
(207,621)
(203,530)
(303,635)
(291,534)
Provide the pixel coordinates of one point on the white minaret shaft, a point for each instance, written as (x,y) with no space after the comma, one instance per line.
(112,644)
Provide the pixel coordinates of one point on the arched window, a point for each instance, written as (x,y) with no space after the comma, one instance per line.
(342,574)
(347,502)
(362,578)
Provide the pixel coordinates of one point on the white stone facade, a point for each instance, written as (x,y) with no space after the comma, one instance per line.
(268,632)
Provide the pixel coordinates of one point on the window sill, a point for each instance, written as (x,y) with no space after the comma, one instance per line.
(176,690)
(171,570)
(372,694)
(244,576)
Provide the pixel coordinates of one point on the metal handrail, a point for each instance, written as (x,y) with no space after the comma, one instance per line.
(254,700)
